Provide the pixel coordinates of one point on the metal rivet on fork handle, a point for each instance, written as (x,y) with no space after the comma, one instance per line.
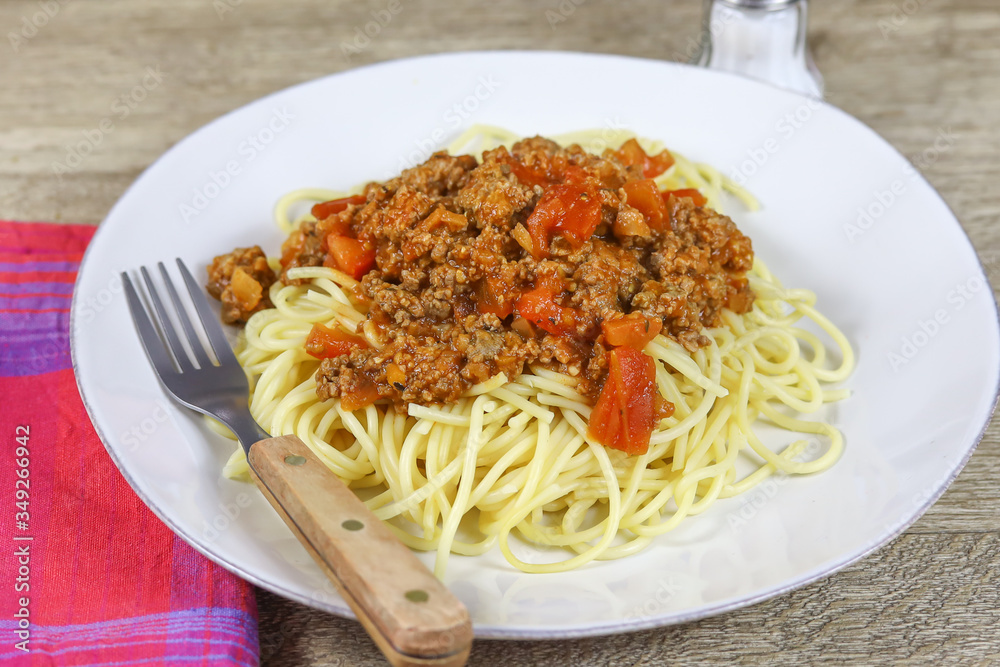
(417,596)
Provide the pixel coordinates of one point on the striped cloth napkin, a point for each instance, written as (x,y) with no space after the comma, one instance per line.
(88,575)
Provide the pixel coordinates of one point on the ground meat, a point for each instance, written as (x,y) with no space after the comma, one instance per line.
(471,279)
(606,278)
(698,270)
(433,284)
(493,199)
(237,305)
(435,368)
(304,247)
(441,176)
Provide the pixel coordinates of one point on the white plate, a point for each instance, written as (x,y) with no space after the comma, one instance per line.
(904,281)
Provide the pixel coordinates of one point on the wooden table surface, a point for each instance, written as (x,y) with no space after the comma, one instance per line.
(908,68)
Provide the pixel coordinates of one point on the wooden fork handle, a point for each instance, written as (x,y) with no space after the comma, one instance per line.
(413,617)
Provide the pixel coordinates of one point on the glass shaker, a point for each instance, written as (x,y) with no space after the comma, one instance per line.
(762,39)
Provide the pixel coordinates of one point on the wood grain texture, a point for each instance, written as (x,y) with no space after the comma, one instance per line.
(922,600)
(931,596)
(413,618)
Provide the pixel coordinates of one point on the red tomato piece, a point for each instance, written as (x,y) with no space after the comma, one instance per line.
(494,296)
(336,227)
(543,173)
(657,164)
(527,175)
(349,255)
(363,395)
(292,247)
(541,307)
(605,424)
(634,330)
(625,415)
(645,197)
(691,193)
(571,209)
(324,210)
(632,154)
(330,229)
(326,343)
(575,175)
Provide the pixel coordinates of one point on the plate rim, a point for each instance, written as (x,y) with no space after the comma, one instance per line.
(549,632)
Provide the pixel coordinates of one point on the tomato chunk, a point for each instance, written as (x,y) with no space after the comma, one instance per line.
(645,197)
(351,256)
(326,343)
(543,173)
(539,306)
(632,154)
(363,395)
(332,227)
(574,175)
(625,414)
(324,210)
(292,247)
(530,176)
(634,330)
(247,290)
(691,193)
(571,209)
(495,296)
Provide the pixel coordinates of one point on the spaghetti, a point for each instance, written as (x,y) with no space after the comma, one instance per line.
(513,456)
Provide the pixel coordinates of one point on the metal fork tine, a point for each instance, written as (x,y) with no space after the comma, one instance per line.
(223,352)
(173,342)
(196,345)
(150,339)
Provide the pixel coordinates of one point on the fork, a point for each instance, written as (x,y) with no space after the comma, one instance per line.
(413,618)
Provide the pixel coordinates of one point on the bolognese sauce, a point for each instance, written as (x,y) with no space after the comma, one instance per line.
(538,255)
